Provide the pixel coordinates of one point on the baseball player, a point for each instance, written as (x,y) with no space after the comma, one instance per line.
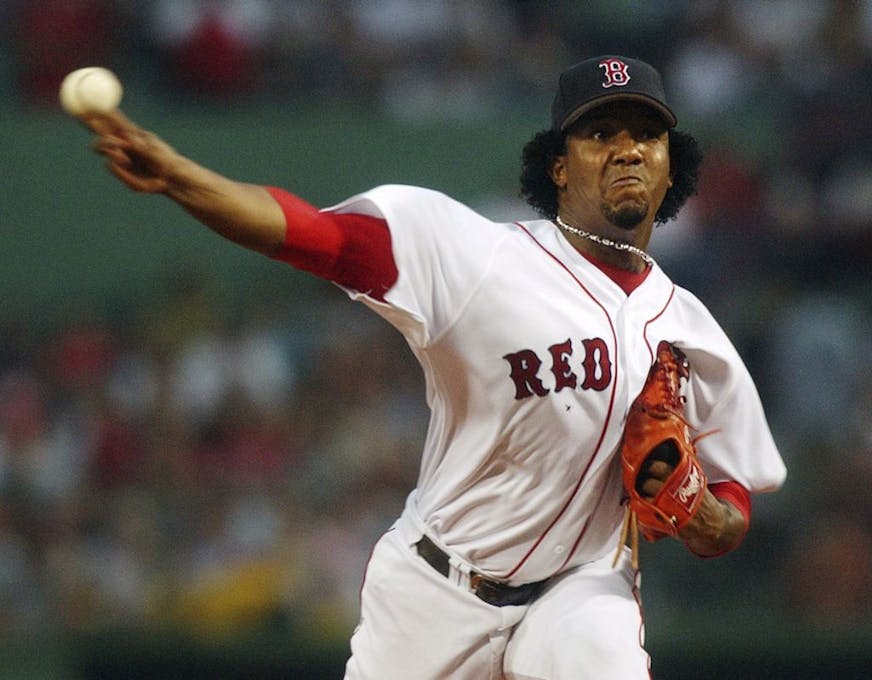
(534,337)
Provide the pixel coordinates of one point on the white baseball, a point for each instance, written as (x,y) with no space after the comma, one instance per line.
(93,89)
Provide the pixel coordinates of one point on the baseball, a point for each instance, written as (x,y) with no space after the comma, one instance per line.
(93,89)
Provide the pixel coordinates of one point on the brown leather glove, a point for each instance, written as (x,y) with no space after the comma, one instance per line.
(656,429)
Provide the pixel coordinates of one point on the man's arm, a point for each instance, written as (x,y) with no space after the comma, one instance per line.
(717,528)
(351,250)
(244,213)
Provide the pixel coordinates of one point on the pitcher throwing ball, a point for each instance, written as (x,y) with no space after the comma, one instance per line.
(578,396)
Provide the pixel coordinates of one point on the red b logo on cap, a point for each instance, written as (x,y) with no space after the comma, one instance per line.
(615,73)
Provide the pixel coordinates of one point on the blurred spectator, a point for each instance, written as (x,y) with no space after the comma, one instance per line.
(840,547)
(213,49)
(819,353)
(437,60)
(22,604)
(54,37)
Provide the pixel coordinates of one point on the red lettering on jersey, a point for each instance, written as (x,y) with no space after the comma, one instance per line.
(596,364)
(524,367)
(615,73)
(563,374)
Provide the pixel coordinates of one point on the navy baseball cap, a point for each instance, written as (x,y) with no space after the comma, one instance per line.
(600,80)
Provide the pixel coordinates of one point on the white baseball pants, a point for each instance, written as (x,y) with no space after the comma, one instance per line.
(416,623)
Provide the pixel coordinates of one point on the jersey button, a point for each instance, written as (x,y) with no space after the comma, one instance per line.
(559,549)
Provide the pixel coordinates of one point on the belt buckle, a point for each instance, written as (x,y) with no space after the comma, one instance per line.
(488,590)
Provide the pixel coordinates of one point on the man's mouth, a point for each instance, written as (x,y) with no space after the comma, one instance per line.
(629,180)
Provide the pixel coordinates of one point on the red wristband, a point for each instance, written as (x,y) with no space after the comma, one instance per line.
(349,249)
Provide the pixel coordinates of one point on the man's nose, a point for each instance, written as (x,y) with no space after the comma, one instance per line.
(626,148)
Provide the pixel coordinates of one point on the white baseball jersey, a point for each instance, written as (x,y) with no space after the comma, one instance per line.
(532,357)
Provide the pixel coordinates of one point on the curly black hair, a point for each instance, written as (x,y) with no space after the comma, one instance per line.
(539,190)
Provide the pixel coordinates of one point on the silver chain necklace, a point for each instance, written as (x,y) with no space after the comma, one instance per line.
(602,240)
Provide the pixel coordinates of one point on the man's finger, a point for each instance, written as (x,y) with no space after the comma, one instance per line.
(657,469)
(108,123)
(651,487)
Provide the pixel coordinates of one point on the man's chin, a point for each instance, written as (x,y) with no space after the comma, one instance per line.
(627,216)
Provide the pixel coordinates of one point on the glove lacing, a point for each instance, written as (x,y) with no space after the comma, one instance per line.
(629,529)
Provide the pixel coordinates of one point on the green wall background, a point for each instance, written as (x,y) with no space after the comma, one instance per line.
(71,235)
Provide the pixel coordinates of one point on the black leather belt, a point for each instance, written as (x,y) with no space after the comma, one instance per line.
(495,593)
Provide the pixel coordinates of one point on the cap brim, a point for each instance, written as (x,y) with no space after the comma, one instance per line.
(662,109)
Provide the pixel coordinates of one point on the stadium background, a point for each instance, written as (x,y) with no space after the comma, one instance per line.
(198,446)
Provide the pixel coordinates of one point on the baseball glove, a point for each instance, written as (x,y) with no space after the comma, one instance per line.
(656,430)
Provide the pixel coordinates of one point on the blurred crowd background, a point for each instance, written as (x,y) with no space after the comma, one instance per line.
(221,463)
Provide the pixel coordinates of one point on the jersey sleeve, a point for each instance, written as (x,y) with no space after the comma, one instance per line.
(722,399)
(442,250)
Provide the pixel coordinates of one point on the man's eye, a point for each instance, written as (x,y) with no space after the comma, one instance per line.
(652,133)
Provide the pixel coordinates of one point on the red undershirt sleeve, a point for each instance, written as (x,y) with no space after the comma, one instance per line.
(736,494)
(349,249)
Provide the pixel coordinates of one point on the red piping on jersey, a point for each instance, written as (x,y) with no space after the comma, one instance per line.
(583,531)
(638,597)
(653,319)
(605,424)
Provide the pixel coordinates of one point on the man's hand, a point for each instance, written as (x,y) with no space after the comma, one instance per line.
(716,528)
(140,159)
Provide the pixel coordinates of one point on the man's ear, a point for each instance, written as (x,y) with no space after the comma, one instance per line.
(558,172)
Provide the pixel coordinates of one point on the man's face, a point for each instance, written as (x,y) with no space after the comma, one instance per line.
(616,167)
